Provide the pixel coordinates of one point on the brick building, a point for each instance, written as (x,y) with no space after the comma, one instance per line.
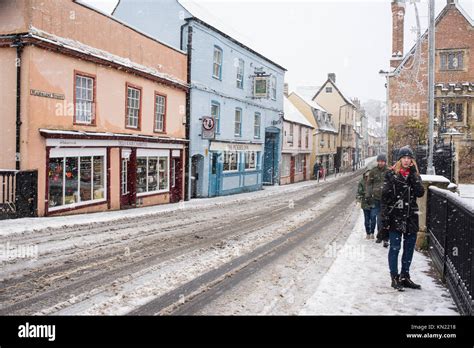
(454,77)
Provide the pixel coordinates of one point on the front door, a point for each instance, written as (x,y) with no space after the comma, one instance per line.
(176,179)
(128,178)
(304,167)
(214,174)
(269,158)
(292,169)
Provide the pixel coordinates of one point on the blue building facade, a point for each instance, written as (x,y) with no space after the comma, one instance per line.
(239,88)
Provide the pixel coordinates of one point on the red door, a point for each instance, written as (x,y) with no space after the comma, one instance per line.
(176,179)
(292,170)
(128,178)
(304,167)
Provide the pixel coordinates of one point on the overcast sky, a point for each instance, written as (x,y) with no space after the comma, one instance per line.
(310,38)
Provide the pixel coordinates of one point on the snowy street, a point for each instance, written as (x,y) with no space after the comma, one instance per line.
(278,251)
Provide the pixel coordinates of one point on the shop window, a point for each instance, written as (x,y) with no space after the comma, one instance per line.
(75,180)
(152,174)
(250,160)
(230,161)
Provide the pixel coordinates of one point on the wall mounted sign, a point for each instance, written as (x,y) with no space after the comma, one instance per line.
(44,94)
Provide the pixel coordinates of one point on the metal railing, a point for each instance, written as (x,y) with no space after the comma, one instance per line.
(7,192)
(450,227)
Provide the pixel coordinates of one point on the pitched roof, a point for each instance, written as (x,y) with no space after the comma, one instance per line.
(323,123)
(425,34)
(292,114)
(211,21)
(346,99)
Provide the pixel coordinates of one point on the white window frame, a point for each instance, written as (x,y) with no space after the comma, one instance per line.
(84,106)
(124,177)
(273,87)
(217,62)
(257,125)
(237,162)
(131,101)
(82,152)
(160,111)
(246,156)
(159,154)
(238,111)
(240,73)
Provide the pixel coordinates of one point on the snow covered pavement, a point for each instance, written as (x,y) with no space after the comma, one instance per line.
(358,284)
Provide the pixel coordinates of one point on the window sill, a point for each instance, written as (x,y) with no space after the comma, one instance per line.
(152,193)
(73,206)
(217,78)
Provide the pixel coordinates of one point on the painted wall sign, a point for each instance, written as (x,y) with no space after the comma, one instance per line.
(44,94)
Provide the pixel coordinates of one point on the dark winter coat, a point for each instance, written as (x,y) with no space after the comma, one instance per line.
(365,201)
(376,180)
(398,204)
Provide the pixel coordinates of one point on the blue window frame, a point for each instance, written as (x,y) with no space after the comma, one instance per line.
(216,114)
(217,63)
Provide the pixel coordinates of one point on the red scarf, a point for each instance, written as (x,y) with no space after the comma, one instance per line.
(404,172)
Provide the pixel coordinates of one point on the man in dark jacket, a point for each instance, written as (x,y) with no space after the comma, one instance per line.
(375,185)
(367,206)
(401,188)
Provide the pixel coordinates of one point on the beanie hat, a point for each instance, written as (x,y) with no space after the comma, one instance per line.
(382,157)
(405,151)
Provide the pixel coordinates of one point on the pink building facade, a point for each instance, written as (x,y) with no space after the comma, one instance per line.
(101,107)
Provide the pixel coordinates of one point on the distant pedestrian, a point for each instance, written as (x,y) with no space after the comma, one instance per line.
(376,180)
(316,169)
(366,203)
(401,188)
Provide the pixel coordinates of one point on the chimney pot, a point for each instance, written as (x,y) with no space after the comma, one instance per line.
(332,77)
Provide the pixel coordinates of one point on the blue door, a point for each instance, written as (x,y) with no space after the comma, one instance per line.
(214,174)
(270,158)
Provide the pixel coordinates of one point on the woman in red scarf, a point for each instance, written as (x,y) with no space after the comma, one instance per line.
(402,186)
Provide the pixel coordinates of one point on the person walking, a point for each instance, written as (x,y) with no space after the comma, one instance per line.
(376,180)
(316,169)
(367,205)
(402,186)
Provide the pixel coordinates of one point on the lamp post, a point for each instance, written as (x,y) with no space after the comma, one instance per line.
(387,75)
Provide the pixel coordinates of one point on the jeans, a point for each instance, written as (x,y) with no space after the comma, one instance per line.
(370,220)
(409,241)
(379,220)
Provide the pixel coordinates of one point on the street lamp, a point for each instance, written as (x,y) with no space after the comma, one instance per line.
(387,75)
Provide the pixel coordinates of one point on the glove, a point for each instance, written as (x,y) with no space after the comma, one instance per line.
(412,170)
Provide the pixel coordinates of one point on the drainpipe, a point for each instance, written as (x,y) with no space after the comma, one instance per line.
(187,186)
(19,49)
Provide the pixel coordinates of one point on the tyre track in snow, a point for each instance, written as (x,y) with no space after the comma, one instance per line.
(194,295)
(28,297)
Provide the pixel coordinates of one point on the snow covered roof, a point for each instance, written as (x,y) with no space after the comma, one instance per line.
(323,122)
(292,114)
(101,54)
(205,17)
(346,99)
(310,102)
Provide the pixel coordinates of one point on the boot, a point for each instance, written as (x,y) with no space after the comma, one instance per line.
(367,236)
(408,283)
(385,244)
(396,283)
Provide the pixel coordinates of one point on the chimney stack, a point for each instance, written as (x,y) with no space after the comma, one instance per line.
(285,89)
(332,77)
(398,17)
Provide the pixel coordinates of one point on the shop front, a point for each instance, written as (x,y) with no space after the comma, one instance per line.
(234,167)
(87,171)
